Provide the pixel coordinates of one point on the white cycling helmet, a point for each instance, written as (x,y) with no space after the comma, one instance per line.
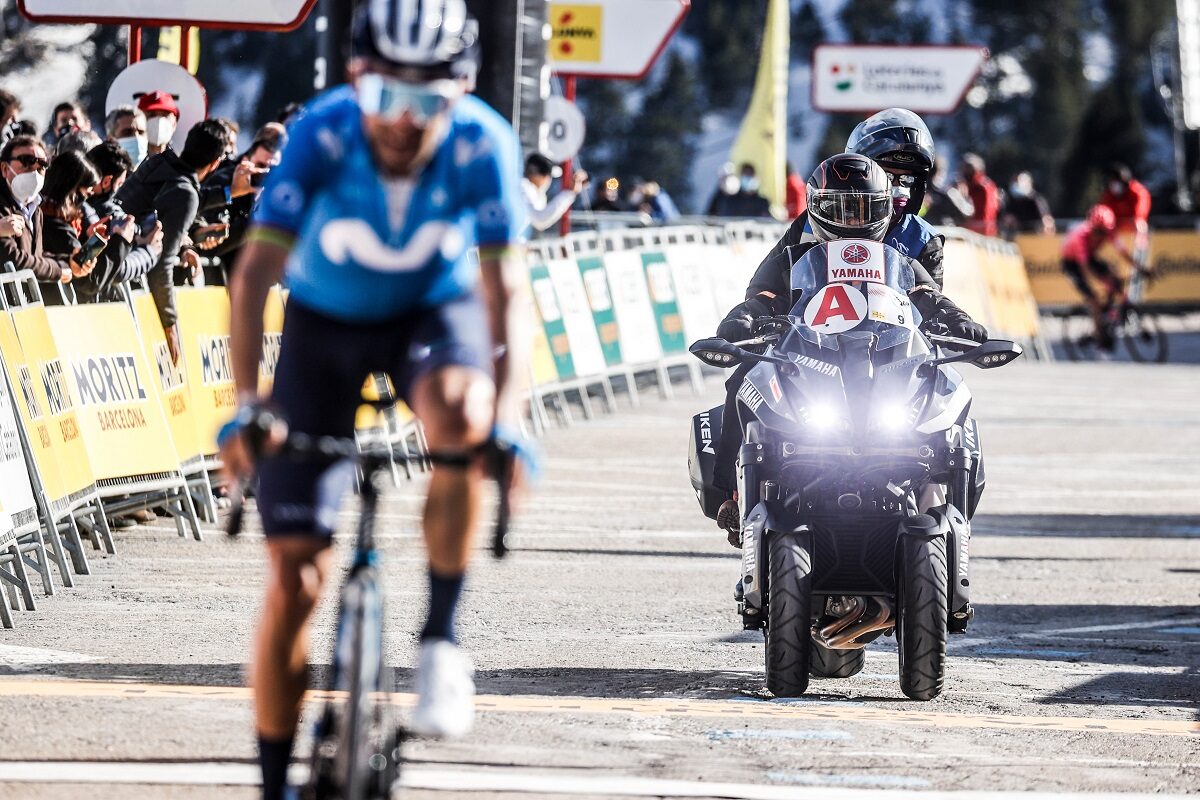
(421,34)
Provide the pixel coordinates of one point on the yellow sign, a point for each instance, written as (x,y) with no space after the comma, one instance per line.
(1174,258)
(204,335)
(272,339)
(576,32)
(104,376)
(169,383)
(170,47)
(46,407)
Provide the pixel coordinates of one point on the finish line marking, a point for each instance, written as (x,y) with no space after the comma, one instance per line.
(741,708)
(466,779)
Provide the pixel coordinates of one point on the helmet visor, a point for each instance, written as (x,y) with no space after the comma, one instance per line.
(389,98)
(850,209)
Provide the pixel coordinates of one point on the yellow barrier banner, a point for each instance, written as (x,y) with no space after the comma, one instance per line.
(1013,307)
(46,407)
(108,381)
(1174,259)
(964,282)
(272,339)
(204,336)
(170,388)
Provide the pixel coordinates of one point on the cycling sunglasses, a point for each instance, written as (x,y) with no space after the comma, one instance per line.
(390,98)
(31,162)
(907,181)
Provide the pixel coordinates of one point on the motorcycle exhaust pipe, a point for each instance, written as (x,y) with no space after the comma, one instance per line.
(842,633)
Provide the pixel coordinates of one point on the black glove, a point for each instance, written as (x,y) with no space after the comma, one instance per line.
(739,322)
(937,309)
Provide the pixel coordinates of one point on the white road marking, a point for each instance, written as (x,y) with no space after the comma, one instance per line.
(1125,626)
(875,781)
(770,733)
(460,779)
(12,655)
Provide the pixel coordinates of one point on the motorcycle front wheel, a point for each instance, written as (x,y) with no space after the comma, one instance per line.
(922,606)
(789,617)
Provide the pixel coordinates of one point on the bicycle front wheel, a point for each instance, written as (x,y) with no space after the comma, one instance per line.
(360,653)
(1144,339)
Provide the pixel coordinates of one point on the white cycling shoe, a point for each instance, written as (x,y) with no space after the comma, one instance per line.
(445,691)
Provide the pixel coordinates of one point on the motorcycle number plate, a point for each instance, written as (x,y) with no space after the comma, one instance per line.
(836,308)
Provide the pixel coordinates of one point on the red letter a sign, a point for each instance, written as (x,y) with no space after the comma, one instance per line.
(836,308)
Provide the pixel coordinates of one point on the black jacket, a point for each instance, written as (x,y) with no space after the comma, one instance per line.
(167,186)
(119,262)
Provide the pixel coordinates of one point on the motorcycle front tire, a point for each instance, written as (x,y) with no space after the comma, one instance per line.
(789,617)
(922,605)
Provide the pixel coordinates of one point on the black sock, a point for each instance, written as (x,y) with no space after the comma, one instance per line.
(443,600)
(274,755)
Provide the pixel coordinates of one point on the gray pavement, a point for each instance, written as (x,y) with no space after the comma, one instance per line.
(610,660)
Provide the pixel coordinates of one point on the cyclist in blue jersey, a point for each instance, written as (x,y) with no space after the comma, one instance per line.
(384,187)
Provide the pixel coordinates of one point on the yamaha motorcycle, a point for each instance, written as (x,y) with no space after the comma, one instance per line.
(858,475)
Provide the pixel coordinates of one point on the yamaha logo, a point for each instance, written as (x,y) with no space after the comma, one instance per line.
(856,254)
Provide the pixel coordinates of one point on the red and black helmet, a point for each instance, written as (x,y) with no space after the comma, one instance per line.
(849,197)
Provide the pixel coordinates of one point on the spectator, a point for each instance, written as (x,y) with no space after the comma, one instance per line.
(1025,209)
(727,186)
(233,220)
(747,202)
(130,253)
(168,185)
(1130,204)
(543,210)
(985,198)
(126,125)
(162,118)
(797,193)
(10,109)
(67,117)
(80,141)
(944,203)
(23,165)
(650,198)
(68,180)
(608,197)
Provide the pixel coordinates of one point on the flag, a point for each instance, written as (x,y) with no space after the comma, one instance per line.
(762,140)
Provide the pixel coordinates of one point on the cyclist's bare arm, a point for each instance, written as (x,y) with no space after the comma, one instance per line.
(259,268)
(502,272)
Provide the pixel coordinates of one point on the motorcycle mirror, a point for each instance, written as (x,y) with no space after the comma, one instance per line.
(717,352)
(990,354)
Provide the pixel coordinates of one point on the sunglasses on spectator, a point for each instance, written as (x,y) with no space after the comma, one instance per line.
(30,162)
(390,98)
(907,181)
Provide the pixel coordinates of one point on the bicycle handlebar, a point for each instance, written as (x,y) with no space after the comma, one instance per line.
(336,449)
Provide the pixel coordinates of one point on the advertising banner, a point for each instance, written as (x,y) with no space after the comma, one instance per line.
(595,283)
(170,384)
(696,295)
(545,299)
(16,491)
(105,378)
(577,317)
(636,324)
(204,335)
(47,410)
(664,299)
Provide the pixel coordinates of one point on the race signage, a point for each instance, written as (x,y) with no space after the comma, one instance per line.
(867,78)
(611,38)
(855,260)
(274,15)
(565,129)
(837,308)
(1188,14)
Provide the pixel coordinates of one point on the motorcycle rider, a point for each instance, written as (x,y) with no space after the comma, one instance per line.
(850,195)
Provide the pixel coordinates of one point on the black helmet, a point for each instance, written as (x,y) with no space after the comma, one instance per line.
(435,36)
(895,137)
(849,197)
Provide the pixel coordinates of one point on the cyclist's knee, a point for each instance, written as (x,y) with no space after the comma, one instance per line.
(456,407)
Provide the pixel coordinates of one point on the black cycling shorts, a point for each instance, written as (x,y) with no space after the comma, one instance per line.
(1098,267)
(323,363)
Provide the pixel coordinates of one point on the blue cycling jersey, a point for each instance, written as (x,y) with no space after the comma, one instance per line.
(352,259)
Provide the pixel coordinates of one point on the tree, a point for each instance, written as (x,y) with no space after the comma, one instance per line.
(661,143)
(730,36)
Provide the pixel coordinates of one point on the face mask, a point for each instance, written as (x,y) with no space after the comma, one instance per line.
(1116,187)
(749,183)
(135,146)
(1018,190)
(159,130)
(26,185)
(900,198)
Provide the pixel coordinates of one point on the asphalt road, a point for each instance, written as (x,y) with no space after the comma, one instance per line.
(610,660)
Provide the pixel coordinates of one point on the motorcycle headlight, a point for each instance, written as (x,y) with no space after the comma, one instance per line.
(822,416)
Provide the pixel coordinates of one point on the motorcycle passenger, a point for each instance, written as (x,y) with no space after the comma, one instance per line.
(850,196)
(1080,259)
